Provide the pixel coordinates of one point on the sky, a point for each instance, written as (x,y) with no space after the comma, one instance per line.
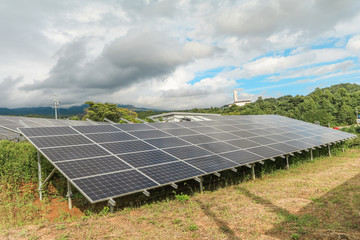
(174,54)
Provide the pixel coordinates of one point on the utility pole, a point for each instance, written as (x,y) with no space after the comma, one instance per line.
(56,106)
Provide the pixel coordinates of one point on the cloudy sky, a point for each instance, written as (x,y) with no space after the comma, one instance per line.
(174,54)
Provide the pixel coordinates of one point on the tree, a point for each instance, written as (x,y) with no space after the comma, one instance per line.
(100,111)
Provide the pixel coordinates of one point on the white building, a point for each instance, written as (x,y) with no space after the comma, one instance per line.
(237,102)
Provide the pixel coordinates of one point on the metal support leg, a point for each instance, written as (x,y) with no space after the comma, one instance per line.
(111,204)
(287,162)
(253,171)
(201,185)
(39,172)
(69,194)
(329,150)
(311,155)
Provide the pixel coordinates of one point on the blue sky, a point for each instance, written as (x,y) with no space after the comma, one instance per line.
(170,54)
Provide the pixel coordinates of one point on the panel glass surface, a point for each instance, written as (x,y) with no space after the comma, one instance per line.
(244,134)
(134,127)
(222,136)
(211,163)
(96,128)
(110,137)
(171,172)
(149,134)
(57,141)
(148,158)
(127,147)
(243,143)
(47,131)
(196,139)
(187,152)
(110,185)
(74,152)
(180,132)
(91,166)
(218,147)
(242,157)
(265,151)
(167,142)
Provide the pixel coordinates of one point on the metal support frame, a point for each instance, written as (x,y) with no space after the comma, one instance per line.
(200,181)
(253,171)
(111,204)
(329,150)
(69,194)
(287,162)
(127,121)
(48,177)
(139,119)
(174,185)
(311,155)
(109,121)
(234,169)
(217,174)
(39,174)
(146,193)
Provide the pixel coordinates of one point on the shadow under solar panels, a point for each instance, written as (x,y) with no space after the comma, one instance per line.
(171,172)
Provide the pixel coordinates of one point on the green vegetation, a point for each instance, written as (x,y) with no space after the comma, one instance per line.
(100,111)
(335,105)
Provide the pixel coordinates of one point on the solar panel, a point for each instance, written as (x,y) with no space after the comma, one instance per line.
(150,134)
(110,137)
(148,158)
(242,156)
(91,166)
(112,185)
(196,139)
(187,152)
(212,163)
(56,141)
(218,147)
(96,128)
(48,131)
(127,147)
(171,172)
(106,161)
(74,152)
(167,142)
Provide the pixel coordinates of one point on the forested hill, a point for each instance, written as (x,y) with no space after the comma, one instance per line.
(335,105)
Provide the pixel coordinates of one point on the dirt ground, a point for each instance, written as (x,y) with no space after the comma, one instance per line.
(313,200)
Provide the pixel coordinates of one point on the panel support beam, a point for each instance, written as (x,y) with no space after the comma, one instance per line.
(311,155)
(253,171)
(234,169)
(174,185)
(39,175)
(69,194)
(329,150)
(48,177)
(111,204)
(217,174)
(200,181)
(146,193)
(287,162)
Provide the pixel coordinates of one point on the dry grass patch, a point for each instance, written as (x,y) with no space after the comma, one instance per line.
(313,200)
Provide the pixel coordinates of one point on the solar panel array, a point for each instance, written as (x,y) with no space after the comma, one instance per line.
(108,161)
(15,122)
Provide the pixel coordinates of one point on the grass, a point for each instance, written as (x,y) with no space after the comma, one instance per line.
(313,200)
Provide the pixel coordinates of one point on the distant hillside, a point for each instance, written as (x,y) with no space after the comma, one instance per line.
(335,105)
(64,112)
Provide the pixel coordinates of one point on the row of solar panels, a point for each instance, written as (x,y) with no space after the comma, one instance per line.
(108,161)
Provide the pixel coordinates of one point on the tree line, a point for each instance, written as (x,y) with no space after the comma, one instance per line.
(335,105)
